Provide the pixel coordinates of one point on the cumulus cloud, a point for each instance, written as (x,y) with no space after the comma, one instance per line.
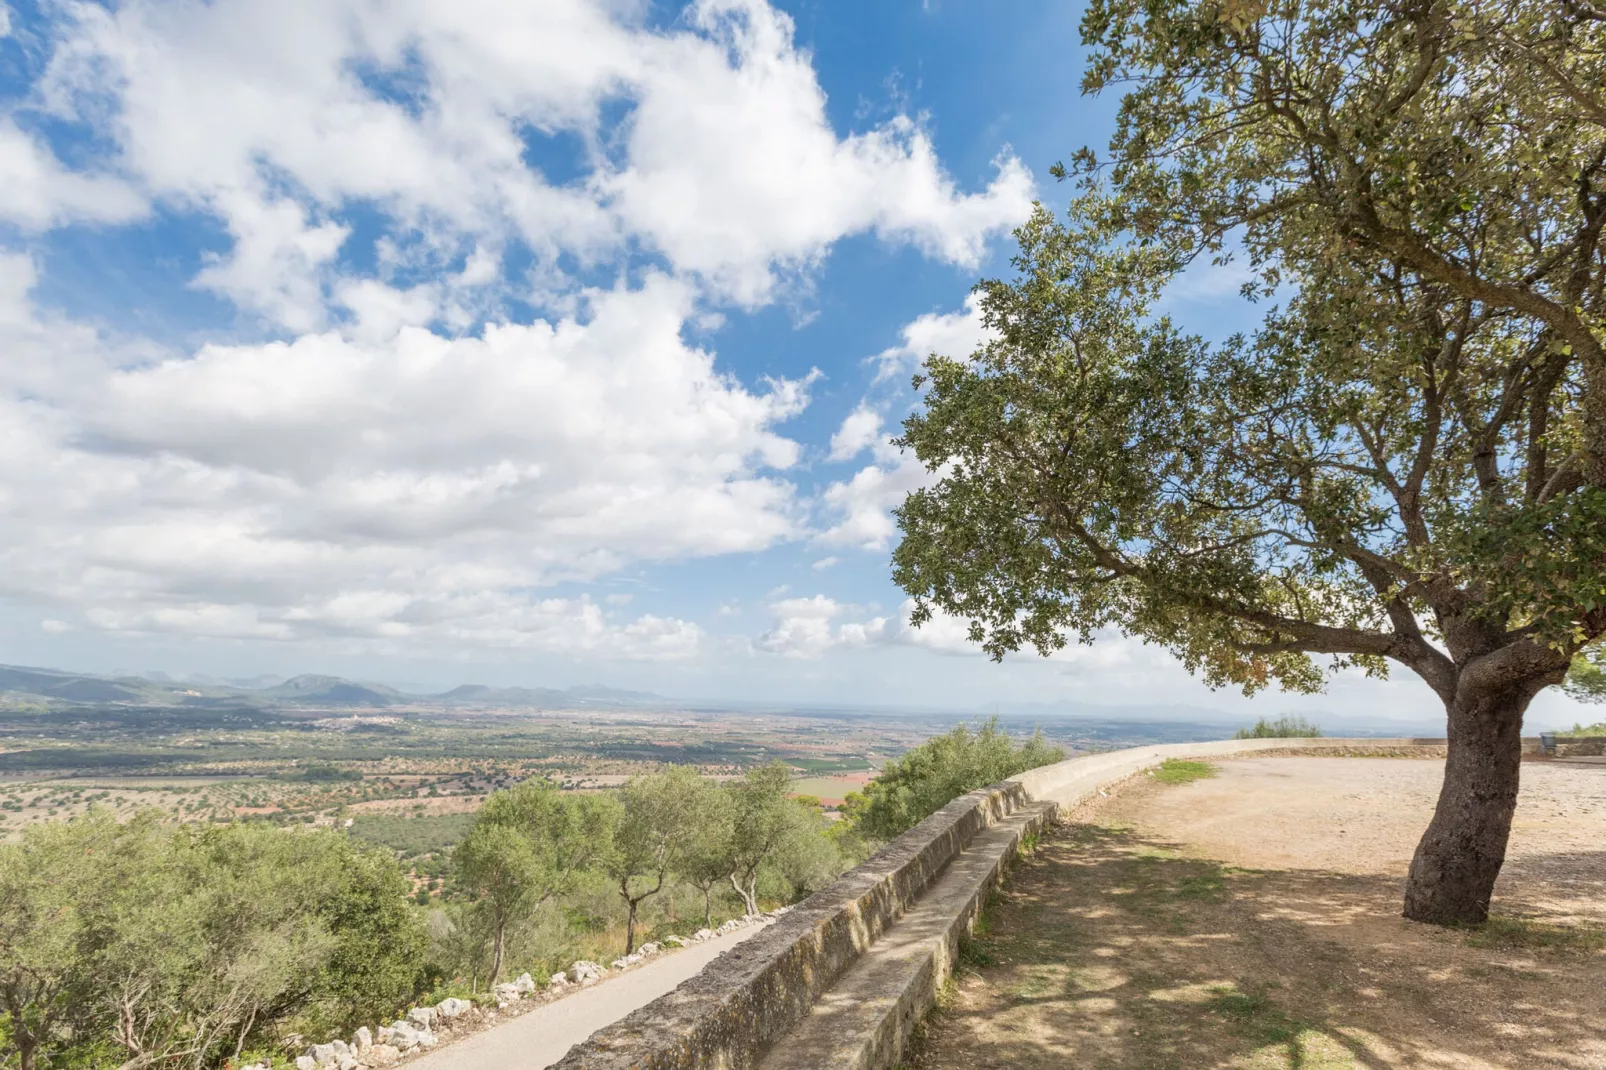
(453,119)
(409,462)
(859,509)
(860,430)
(40,192)
(809,628)
(947,334)
(417,487)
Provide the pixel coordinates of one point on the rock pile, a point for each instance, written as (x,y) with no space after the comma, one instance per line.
(420,1028)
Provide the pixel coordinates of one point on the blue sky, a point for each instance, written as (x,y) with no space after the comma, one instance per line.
(527,343)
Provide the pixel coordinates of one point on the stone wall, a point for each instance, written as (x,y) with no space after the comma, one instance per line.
(728,1016)
(1580,746)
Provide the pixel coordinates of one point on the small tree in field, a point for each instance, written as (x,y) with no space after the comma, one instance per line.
(656,826)
(1405,463)
(765,827)
(706,861)
(528,844)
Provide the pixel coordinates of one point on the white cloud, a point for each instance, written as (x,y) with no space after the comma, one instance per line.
(389,473)
(861,506)
(392,491)
(725,161)
(5,20)
(948,334)
(860,430)
(823,563)
(40,193)
(807,628)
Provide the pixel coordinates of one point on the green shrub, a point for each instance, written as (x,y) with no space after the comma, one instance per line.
(1288,726)
(182,944)
(938,771)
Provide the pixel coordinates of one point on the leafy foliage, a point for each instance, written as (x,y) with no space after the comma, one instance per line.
(1586,680)
(940,770)
(1288,726)
(1405,462)
(530,843)
(141,944)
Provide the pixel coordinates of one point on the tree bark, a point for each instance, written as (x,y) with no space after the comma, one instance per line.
(708,906)
(496,954)
(1453,873)
(630,926)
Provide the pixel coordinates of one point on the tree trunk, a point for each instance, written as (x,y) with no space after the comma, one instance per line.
(496,954)
(1453,873)
(630,927)
(708,906)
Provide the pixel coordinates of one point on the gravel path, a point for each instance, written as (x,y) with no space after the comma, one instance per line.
(541,1037)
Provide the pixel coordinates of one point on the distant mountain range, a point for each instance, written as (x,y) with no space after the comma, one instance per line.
(50,687)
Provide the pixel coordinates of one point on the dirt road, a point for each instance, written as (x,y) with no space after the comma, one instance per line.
(542,1037)
(1252,921)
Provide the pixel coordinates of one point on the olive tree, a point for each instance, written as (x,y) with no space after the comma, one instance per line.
(656,826)
(766,826)
(705,863)
(528,844)
(1405,463)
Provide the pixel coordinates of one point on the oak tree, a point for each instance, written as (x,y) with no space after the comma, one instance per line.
(1404,464)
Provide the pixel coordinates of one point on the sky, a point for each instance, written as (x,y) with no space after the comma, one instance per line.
(523,343)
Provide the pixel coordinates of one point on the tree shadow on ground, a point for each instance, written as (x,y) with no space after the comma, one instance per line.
(1112,949)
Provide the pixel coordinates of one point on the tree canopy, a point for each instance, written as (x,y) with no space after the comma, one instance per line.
(928,777)
(139,944)
(1404,463)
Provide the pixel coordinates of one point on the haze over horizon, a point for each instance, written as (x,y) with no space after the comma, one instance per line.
(563,346)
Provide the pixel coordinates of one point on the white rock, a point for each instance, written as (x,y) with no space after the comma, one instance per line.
(559,979)
(451,1007)
(422,1017)
(363,1040)
(524,983)
(381,1055)
(405,1036)
(322,1053)
(648,949)
(678,941)
(306,1062)
(506,992)
(346,1061)
(703,934)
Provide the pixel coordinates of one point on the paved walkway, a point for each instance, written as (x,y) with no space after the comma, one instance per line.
(541,1037)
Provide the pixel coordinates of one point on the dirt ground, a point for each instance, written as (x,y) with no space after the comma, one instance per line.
(1251,920)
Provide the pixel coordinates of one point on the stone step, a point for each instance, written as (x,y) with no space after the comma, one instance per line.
(864,1020)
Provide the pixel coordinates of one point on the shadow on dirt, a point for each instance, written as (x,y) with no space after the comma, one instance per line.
(1110,949)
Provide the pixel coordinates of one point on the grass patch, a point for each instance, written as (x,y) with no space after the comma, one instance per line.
(1182,771)
(1506,933)
(1255,1016)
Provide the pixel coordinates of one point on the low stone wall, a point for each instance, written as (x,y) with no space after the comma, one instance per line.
(1580,746)
(730,1013)
(728,1016)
